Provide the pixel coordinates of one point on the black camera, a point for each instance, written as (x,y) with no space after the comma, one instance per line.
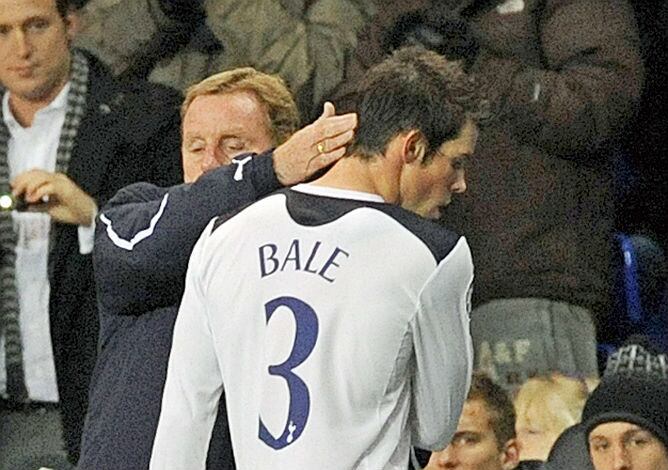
(9,202)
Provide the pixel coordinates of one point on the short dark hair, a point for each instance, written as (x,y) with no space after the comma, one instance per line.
(63,7)
(413,89)
(498,403)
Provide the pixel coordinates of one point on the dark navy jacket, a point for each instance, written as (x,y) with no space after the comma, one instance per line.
(142,245)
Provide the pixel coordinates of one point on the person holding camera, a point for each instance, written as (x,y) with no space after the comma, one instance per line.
(70,137)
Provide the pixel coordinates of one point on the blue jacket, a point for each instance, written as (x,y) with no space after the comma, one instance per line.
(142,245)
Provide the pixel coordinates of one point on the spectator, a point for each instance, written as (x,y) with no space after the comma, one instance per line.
(71,134)
(373,43)
(626,423)
(564,80)
(636,357)
(569,451)
(545,407)
(641,304)
(140,278)
(179,42)
(485,436)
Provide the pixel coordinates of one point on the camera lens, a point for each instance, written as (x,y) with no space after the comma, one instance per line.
(7,202)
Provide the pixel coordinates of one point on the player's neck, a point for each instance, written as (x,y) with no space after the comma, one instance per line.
(356,174)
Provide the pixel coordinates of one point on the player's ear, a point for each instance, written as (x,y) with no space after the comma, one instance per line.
(414,146)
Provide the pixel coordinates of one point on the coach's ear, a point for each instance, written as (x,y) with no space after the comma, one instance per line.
(414,146)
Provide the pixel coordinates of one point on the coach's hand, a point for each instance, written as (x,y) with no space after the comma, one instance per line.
(314,147)
(67,202)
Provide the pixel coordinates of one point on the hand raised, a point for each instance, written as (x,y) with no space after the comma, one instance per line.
(315,146)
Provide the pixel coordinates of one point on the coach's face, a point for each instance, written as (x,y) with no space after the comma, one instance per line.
(625,446)
(34,49)
(217,128)
(426,188)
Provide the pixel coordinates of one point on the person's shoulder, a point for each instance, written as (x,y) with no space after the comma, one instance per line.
(129,96)
(135,193)
(153,95)
(309,209)
(438,238)
(135,111)
(255,210)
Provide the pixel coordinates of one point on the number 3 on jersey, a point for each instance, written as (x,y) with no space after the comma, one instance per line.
(305,337)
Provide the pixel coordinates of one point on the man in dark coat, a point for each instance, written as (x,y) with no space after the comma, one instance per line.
(563,79)
(70,137)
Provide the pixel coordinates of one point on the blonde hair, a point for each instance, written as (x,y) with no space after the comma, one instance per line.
(551,403)
(270,90)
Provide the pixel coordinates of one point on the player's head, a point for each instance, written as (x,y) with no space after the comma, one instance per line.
(422,107)
(231,113)
(35,38)
(485,436)
(626,421)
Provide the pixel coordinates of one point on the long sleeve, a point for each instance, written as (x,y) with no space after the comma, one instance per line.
(586,86)
(145,234)
(194,381)
(443,350)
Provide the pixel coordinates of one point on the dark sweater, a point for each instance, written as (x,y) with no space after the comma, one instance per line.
(140,284)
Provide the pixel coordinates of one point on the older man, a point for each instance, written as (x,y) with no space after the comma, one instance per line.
(146,234)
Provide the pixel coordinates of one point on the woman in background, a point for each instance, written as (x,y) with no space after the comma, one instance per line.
(545,407)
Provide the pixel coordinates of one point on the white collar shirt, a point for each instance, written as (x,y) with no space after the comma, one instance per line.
(34,147)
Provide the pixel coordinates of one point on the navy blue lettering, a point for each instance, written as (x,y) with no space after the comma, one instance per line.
(271,257)
(310,259)
(293,255)
(299,405)
(331,262)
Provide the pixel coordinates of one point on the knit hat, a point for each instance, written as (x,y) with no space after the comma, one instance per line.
(637,354)
(635,398)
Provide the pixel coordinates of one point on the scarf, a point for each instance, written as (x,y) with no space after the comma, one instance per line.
(9,303)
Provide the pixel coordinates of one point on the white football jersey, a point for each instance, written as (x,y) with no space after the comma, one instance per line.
(337,327)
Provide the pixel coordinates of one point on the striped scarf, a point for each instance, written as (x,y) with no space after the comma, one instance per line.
(9,305)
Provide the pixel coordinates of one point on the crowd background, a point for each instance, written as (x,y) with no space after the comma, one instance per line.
(320,47)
